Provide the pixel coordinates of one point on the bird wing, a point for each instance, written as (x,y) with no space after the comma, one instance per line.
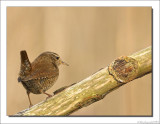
(42,69)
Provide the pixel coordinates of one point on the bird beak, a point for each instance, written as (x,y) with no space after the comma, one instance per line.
(64,63)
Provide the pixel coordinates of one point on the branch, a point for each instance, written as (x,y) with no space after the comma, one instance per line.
(94,88)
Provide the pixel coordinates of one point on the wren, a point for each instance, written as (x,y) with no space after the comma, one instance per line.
(40,75)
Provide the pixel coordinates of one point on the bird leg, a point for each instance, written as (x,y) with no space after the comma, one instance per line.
(49,95)
(29,99)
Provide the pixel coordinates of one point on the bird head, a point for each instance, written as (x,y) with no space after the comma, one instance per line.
(56,58)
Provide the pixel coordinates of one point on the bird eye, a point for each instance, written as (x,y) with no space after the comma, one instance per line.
(57,57)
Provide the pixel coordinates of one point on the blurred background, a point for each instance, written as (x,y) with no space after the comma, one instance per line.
(88,39)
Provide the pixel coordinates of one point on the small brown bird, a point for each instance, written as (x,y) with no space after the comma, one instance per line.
(40,75)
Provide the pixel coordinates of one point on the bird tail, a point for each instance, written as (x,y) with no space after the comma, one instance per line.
(25,65)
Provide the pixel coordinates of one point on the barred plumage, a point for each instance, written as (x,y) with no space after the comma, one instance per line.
(40,75)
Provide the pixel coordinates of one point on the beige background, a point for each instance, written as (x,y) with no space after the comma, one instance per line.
(87,38)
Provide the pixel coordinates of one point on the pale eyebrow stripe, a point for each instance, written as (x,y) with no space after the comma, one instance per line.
(56,54)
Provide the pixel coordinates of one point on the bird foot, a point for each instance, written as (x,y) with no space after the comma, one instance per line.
(48,97)
(30,105)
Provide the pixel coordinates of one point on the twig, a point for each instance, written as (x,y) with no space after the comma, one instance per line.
(71,98)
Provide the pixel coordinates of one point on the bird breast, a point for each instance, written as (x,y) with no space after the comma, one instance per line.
(40,85)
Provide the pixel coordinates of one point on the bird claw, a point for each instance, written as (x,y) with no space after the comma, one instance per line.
(48,96)
(30,105)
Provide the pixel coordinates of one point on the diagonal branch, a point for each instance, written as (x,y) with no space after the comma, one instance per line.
(71,98)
